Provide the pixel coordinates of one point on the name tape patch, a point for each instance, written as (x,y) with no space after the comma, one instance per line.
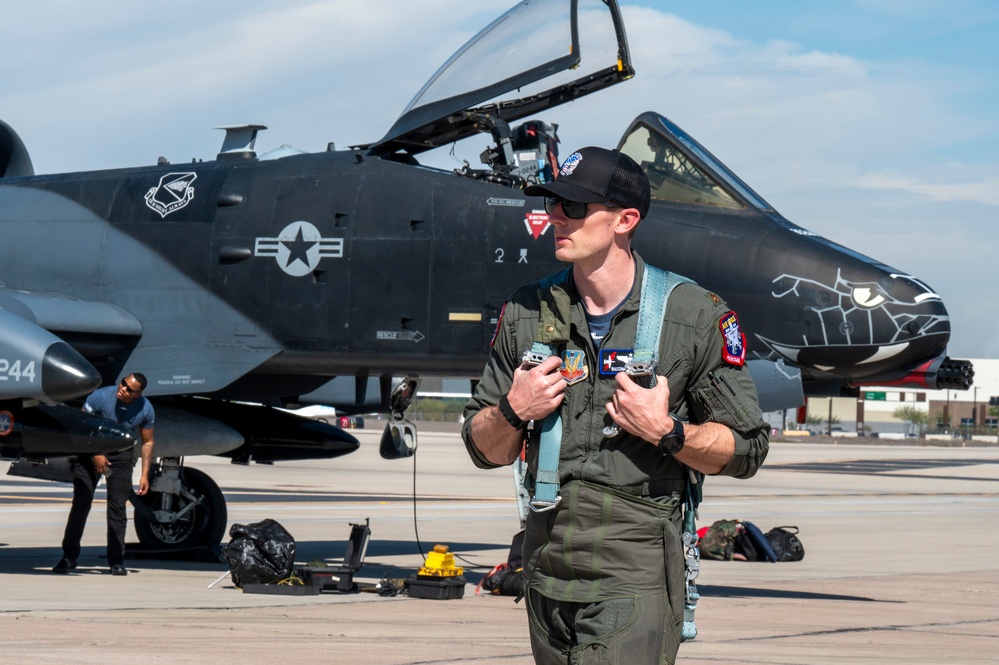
(614,361)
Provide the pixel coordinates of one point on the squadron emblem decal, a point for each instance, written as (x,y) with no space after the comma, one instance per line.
(299,248)
(173,193)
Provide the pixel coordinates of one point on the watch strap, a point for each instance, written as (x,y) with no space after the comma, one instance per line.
(509,415)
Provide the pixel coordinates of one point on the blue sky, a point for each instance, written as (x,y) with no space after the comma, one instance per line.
(872,122)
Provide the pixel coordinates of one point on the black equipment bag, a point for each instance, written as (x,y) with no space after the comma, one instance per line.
(785,543)
(754,544)
(259,553)
(507,579)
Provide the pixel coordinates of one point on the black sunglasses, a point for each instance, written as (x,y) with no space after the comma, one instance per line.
(572,209)
(129,388)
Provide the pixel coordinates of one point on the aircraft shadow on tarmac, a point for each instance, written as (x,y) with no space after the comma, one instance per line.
(712,591)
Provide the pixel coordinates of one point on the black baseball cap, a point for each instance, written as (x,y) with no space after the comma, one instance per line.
(598,175)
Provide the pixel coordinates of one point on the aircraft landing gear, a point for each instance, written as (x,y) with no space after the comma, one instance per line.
(183,509)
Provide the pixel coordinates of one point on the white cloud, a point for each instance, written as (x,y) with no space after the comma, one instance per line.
(977,191)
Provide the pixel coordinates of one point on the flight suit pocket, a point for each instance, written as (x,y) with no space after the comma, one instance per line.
(716,400)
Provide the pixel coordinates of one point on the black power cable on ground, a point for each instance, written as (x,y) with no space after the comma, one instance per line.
(416,528)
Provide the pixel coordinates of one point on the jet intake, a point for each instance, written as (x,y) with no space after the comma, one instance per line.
(14,159)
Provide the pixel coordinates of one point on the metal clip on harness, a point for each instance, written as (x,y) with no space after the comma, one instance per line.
(643,373)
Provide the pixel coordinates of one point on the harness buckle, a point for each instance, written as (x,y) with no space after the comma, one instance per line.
(540,506)
(642,372)
(640,367)
(532,357)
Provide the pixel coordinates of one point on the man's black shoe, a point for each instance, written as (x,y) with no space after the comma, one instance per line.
(64,566)
(119,569)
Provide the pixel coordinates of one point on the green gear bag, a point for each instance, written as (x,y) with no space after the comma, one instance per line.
(719,541)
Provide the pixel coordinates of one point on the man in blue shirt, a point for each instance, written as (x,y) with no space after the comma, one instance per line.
(125,405)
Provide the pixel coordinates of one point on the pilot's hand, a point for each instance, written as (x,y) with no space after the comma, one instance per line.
(143,485)
(642,411)
(537,391)
(100,463)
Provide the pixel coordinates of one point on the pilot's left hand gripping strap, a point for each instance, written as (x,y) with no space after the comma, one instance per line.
(551,328)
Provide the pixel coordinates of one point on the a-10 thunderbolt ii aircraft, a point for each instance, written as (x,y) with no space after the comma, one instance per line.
(252,281)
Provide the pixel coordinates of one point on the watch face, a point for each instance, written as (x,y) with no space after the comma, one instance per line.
(672,443)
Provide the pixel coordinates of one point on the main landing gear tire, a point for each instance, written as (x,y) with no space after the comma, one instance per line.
(201,525)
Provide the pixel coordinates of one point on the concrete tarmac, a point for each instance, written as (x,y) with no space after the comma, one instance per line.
(901,566)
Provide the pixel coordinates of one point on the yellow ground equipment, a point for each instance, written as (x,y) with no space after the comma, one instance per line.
(438,578)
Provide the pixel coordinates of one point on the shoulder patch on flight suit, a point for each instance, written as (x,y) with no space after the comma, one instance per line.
(733,341)
(573,368)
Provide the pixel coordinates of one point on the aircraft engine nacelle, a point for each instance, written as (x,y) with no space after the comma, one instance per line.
(14,159)
(59,430)
(35,364)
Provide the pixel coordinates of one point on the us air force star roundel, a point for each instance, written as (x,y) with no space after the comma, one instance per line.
(299,248)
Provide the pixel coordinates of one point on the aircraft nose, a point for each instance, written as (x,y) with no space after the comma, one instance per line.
(66,374)
(865,320)
(904,313)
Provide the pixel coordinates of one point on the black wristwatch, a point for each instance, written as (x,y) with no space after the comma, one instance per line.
(672,443)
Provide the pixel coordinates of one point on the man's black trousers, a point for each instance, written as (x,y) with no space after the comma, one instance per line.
(119,486)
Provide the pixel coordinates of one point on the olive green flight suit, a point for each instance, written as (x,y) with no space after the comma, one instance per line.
(605,568)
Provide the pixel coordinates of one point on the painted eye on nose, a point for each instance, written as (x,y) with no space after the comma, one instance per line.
(868,296)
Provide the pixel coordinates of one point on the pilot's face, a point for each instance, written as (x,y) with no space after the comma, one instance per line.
(587,239)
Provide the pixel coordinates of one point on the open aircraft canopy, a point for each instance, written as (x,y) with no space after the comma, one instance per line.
(535,40)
